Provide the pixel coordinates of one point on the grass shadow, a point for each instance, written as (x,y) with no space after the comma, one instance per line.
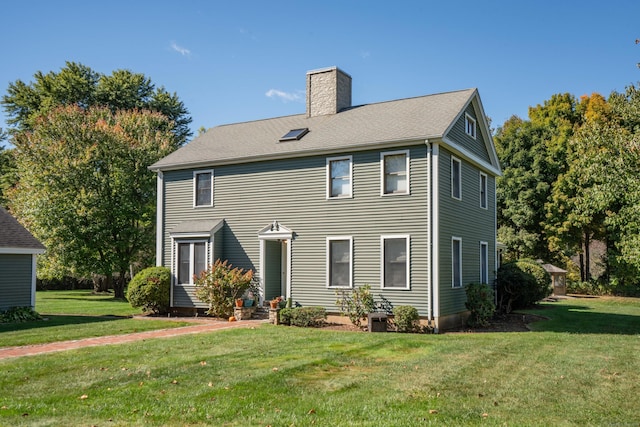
(51,320)
(580,319)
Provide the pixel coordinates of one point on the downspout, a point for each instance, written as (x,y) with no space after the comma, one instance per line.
(435,230)
(159,218)
(495,244)
(429,231)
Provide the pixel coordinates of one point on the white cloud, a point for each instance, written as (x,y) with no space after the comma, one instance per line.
(181,50)
(285,96)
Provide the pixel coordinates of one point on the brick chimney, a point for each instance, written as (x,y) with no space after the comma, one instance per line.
(328,91)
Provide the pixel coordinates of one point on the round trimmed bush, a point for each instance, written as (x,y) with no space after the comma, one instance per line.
(149,289)
(406,318)
(480,304)
(521,284)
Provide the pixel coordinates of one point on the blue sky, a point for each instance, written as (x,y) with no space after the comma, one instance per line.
(233,60)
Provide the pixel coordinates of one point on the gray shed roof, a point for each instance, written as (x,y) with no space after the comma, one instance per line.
(14,238)
(408,119)
(550,268)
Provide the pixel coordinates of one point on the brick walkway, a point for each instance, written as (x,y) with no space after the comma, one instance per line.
(201,326)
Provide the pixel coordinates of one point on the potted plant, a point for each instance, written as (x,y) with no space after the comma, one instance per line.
(274,303)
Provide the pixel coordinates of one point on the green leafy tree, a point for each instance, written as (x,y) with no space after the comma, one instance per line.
(532,154)
(596,199)
(77,84)
(8,176)
(85,189)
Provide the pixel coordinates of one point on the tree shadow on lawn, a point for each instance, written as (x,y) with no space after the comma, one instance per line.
(50,320)
(584,320)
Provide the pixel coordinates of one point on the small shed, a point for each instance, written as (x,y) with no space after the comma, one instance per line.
(558,279)
(18,251)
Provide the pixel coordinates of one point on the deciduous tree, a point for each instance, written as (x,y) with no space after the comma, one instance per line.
(79,85)
(84,187)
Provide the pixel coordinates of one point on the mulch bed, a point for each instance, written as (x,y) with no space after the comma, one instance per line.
(504,323)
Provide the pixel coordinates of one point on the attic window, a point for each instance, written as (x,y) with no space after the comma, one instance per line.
(295,134)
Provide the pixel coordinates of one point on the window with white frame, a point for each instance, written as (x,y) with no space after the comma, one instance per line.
(484,262)
(339,177)
(191,260)
(456,262)
(395,262)
(456,178)
(395,172)
(483,190)
(470,126)
(339,261)
(203,188)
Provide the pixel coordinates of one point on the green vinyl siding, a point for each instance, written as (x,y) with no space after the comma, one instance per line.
(457,133)
(467,220)
(293,192)
(15,280)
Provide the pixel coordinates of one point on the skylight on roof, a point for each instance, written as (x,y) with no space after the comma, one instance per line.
(294,134)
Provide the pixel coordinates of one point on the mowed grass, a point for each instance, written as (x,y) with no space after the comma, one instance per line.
(72,315)
(576,369)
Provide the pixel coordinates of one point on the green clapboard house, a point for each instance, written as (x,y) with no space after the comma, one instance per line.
(18,252)
(399,195)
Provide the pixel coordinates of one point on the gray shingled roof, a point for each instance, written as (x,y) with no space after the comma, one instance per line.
(13,235)
(401,120)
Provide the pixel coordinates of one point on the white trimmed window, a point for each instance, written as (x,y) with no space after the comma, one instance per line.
(456,178)
(483,190)
(395,261)
(191,260)
(339,177)
(470,126)
(394,167)
(203,188)
(456,262)
(339,262)
(484,262)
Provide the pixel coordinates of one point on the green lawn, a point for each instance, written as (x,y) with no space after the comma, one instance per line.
(72,315)
(579,368)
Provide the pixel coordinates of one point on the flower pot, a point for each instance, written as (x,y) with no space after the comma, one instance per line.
(248,302)
(273,304)
(238,302)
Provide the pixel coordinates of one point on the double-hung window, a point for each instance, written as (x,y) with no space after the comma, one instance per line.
(394,167)
(456,262)
(483,190)
(203,188)
(339,177)
(456,178)
(339,261)
(484,262)
(470,126)
(395,261)
(192,260)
